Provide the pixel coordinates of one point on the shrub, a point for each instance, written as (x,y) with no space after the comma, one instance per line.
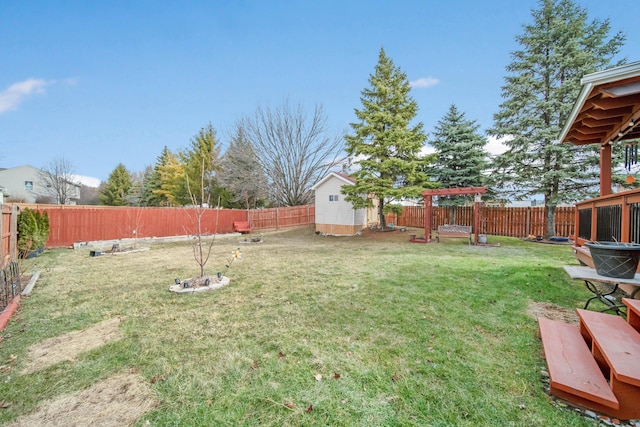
(33,230)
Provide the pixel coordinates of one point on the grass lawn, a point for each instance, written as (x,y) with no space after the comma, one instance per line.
(368,330)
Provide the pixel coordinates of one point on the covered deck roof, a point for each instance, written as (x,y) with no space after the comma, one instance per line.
(608,108)
(607,111)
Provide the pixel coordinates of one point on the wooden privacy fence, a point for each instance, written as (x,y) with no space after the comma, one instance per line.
(497,221)
(71,224)
(8,228)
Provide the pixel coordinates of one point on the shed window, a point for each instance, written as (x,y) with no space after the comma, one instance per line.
(333,197)
(28,185)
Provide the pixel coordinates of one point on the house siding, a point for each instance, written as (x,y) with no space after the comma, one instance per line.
(336,217)
(13,180)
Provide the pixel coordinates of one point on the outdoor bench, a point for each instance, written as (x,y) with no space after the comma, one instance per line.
(447,231)
(241,227)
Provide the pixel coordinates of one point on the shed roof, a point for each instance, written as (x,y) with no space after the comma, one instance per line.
(608,108)
(341,176)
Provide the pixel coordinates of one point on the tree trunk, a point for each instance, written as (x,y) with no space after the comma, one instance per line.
(383,222)
(550,223)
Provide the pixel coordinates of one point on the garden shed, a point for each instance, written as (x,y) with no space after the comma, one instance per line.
(334,215)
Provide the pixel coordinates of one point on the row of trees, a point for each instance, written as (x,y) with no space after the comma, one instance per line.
(276,155)
(559,47)
(273,158)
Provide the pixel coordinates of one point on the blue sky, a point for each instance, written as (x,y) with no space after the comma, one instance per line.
(107,82)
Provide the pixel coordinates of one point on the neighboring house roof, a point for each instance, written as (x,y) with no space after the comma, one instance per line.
(341,176)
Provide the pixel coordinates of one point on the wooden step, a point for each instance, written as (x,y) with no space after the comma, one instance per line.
(573,372)
(633,312)
(615,346)
(616,340)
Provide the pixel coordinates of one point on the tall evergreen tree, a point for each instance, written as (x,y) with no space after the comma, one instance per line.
(151,194)
(557,49)
(461,158)
(173,187)
(202,159)
(384,144)
(117,188)
(242,174)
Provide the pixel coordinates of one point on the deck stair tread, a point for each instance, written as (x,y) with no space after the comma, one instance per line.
(617,341)
(633,312)
(572,369)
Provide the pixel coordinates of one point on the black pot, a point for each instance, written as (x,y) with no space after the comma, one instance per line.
(615,259)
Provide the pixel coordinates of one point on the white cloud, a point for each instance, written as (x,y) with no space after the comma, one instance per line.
(14,94)
(496,146)
(89,181)
(427,149)
(423,82)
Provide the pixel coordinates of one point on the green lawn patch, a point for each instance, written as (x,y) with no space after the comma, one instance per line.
(353,331)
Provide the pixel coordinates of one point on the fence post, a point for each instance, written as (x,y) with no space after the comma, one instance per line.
(13,242)
(2,237)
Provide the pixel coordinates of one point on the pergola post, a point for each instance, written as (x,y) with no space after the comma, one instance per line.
(476,217)
(428,200)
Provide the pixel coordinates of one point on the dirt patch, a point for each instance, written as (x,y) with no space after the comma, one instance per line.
(118,401)
(395,234)
(552,311)
(69,346)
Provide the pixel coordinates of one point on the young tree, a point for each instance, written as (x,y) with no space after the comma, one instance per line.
(201,250)
(116,190)
(461,158)
(384,145)
(59,182)
(294,150)
(201,162)
(557,49)
(241,173)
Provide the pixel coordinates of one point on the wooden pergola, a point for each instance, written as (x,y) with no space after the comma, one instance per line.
(428,203)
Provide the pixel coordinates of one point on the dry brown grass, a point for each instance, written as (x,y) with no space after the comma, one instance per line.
(115,402)
(69,346)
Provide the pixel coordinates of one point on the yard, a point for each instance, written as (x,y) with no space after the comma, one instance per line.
(368,330)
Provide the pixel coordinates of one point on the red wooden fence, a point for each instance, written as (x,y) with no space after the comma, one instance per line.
(497,221)
(71,224)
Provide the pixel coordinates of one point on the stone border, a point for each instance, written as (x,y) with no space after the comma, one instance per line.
(180,290)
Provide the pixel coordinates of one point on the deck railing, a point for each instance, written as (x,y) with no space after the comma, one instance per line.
(611,218)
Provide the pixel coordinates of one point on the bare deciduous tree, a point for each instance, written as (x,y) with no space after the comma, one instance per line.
(59,182)
(294,150)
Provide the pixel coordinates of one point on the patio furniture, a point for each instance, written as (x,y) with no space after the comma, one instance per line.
(459,231)
(590,276)
(241,226)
